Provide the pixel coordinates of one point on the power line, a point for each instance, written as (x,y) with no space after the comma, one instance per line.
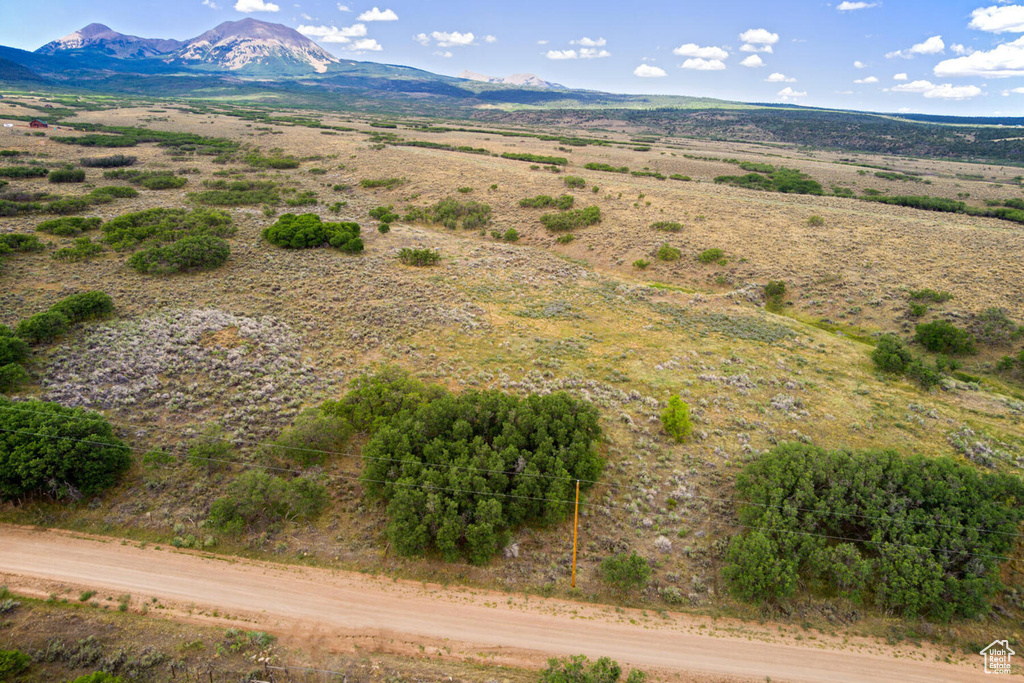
(636,489)
(431,488)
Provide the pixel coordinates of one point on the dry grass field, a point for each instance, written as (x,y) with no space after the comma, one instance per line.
(247,346)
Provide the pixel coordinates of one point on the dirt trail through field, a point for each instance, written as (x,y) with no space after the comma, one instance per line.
(327,609)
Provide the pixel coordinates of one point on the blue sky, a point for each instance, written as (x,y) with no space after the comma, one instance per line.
(937,56)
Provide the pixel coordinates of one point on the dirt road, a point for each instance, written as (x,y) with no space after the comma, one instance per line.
(326,607)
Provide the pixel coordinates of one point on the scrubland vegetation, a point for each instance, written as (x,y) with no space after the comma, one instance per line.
(775,408)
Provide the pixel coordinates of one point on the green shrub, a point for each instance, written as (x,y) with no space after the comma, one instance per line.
(641,264)
(451,213)
(99,677)
(115,161)
(387,183)
(679,176)
(993,327)
(511,235)
(159,180)
(786,180)
(84,248)
(536,158)
(566,238)
(668,253)
(12,349)
(69,227)
(593,166)
(448,465)
(314,437)
(626,572)
(774,293)
(384,228)
(309,231)
(42,327)
(942,336)
(649,174)
(921,536)
(12,664)
(917,310)
(66,175)
(570,220)
(667,226)
(160,225)
(816,221)
(12,376)
(574,182)
(385,214)
(237,193)
(16,241)
(578,669)
(195,252)
(928,294)
(23,171)
(84,306)
(713,255)
(419,257)
(675,419)
(891,354)
(275,161)
(257,500)
(47,448)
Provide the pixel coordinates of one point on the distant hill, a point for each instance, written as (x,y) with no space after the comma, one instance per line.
(12,72)
(528,80)
(105,40)
(256,45)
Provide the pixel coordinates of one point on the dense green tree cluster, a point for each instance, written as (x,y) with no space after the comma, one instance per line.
(459,472)
(308,231)
(563,203)
(942,336)
(451,213)
(70,226)
(772,179)
(113,161)
(914,535)
(161,226)
(570,220)
(151,180)
(237,193)
(47,448)
(536,158)
(194,252)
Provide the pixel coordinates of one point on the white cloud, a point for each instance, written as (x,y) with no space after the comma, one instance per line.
(747,47)
(211,4)
(1018,91)
(753,61)
(561,54)
(333,34)
(1000,62)
(588,42)
(945,91)
(490,39)
(698,64)
(306,17)
(932,46)
(593,53)
(844,92)
(446,54)
(542,42)
(648,71)
(376,15)
(255,6)
(863,81)
(1007,19)
(859,64)
(900,77)
(694,50)
(847,6)
(445,39)
(788,93)
(962,50)
(344,8)
(779,78)
(759,36)
(366,45)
